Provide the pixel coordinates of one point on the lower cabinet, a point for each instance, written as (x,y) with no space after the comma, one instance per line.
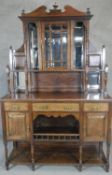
(83,143)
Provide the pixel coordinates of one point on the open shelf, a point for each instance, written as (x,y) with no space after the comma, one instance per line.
(57,153)
(60,137)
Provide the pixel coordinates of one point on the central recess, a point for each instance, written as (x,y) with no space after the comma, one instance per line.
(59,128)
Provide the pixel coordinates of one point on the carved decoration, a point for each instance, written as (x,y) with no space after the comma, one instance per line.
(69,11)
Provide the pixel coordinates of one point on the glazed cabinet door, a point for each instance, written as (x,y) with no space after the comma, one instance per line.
(17,125)
(55,45)
(95,126)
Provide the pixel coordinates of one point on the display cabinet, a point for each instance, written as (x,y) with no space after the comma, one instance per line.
(57,109)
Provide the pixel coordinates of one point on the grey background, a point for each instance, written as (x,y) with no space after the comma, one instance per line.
(11,28)
(11,34)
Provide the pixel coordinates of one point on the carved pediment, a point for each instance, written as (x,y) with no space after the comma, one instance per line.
(55,12)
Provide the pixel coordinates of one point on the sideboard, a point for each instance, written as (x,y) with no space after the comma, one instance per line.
(78,139)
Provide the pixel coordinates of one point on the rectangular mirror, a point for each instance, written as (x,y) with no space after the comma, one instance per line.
(78,45)
(94,60)
(33,44)
(20,81)
(93,81)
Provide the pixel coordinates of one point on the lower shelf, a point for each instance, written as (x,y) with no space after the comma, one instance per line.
(58,153)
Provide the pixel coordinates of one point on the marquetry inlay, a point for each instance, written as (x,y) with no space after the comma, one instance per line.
(16,115)
(15,106)
(56,107)
(101,107)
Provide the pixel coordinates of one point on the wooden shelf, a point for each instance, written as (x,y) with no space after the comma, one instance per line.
(56,70)
(57,153)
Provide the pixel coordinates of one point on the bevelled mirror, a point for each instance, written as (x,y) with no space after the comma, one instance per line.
(78,46)
(20,81)
(93,83)
(33,44)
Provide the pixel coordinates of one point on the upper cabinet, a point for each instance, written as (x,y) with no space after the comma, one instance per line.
(55,42)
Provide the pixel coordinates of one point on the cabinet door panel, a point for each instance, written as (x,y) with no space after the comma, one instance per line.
(17,125)
(95,126)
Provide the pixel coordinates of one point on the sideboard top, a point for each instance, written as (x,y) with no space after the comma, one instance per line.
(58,96)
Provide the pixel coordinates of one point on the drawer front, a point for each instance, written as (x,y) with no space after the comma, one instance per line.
(56,107)
(15,106)
(100,107)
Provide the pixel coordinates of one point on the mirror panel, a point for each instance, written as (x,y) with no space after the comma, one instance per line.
(93,81)
(64,48)
(20,80)
(78,45)
(33,44)
(56,49)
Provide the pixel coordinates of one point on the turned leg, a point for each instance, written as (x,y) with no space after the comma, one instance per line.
(107,156)
(32,157)
(6,155)
(80,158)
(100,148)
(15,144)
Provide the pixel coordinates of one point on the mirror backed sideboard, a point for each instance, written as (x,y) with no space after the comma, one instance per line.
(58,109)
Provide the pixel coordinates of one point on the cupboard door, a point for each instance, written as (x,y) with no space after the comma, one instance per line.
(17,126)
(95,126)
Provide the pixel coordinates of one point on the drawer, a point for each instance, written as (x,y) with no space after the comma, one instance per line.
(15,106)
(56,107)
(100,107)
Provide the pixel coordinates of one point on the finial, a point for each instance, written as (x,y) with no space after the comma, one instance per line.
(23,12)
(55,6)
(88,11)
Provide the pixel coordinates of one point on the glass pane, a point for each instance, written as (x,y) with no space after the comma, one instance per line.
(20,83)
(33,45)
(47,46)
(56,49)
(56,45)
(64,48)
(93,80)
(78,44)
(55,27)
